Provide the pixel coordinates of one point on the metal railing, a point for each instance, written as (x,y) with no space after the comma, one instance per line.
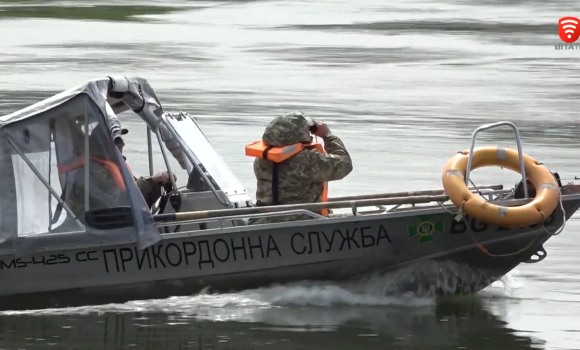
(498,194)
(518,143)
(243,216)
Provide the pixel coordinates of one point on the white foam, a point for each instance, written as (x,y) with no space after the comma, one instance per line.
(413,286)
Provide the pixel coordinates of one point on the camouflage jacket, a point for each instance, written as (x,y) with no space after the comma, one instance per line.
(300,178)
(150,190)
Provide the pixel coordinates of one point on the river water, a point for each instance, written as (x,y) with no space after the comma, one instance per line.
(403,84)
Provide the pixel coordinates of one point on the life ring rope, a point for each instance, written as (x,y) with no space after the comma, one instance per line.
(483,249)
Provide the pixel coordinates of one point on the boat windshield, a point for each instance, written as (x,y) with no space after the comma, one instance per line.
(209,164)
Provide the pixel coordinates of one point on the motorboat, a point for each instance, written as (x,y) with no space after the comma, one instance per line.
(76,230)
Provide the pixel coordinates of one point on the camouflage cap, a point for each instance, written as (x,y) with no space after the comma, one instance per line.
(287,130)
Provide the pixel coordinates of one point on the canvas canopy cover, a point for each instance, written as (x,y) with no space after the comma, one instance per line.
(65,185)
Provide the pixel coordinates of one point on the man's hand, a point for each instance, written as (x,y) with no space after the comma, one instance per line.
(322,129)
(163,177)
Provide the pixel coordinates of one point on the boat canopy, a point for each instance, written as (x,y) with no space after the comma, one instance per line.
(65,184)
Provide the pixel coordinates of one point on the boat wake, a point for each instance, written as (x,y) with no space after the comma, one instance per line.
(413,286)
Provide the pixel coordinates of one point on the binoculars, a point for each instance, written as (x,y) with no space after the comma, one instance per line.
(312,125)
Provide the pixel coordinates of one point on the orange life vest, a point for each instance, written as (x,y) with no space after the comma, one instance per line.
(279,154)
(111,168)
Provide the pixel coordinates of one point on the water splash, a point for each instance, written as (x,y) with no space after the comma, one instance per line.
(506,287)
(415,286)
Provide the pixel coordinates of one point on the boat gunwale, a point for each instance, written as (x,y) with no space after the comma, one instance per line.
(338,220)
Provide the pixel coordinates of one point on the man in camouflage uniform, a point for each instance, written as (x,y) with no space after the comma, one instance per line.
(103,190)
(301,177)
